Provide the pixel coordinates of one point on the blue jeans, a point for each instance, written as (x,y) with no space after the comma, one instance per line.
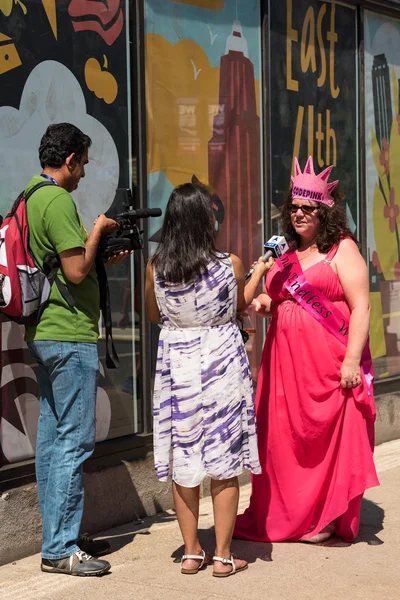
(67,378)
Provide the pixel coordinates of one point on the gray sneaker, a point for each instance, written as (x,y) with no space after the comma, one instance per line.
(79,564)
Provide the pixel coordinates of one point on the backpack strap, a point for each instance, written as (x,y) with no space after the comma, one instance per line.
(37,187)
(28,195)
(112,360)
(51,264)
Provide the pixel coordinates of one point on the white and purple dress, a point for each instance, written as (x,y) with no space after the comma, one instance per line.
(204,422)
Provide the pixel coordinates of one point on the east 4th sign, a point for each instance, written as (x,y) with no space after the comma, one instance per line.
(313,81)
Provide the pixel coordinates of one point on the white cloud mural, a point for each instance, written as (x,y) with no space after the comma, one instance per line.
(52,94)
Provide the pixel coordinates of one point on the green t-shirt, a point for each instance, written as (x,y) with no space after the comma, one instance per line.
(55,226)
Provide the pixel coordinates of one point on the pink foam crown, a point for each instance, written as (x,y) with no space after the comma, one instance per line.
(310,186)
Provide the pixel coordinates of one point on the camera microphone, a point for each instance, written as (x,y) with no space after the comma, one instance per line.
(127,219)
(144,213)
(129,236)
(275,247)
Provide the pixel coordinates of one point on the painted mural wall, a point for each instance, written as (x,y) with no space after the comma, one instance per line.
(203,70)
(382,114)
(313,91)
(63,61)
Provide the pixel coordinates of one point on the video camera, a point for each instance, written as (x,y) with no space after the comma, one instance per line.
(128,236)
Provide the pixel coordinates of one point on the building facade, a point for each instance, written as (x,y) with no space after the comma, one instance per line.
(227,91)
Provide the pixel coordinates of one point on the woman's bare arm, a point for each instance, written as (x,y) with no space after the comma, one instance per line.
(152,310)
(353,275)
(246,292)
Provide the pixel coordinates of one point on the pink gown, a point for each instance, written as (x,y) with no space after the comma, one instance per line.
(315,438)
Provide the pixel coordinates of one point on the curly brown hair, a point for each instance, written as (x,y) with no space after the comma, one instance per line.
(333,223)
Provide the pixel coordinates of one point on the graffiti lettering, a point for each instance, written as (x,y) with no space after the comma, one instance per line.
(104,18)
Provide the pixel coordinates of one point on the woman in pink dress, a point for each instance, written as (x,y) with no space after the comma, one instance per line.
(314,404)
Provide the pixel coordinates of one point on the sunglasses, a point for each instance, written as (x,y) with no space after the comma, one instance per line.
(306,210)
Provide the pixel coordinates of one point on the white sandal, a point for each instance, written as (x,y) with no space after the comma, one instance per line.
(202,559)
(228,561)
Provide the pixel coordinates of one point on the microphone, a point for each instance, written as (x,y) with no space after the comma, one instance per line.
(275,247)
(144,213)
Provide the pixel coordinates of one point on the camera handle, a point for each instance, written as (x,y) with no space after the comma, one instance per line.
(112,360)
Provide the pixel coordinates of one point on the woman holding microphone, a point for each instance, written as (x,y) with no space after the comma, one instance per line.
(314,402)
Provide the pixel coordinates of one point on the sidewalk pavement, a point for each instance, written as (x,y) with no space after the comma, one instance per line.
(144,556)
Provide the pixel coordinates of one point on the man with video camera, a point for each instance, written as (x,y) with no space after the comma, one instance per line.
(64,344)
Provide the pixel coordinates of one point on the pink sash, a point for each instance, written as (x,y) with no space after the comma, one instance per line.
(320,308)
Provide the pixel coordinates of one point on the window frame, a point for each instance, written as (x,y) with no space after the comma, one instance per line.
(110,452)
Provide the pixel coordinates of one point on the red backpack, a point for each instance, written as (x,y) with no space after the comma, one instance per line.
(24,288)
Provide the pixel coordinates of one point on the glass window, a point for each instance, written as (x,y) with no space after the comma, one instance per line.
(313,95)
(60,62)
(382,140)
(203,71)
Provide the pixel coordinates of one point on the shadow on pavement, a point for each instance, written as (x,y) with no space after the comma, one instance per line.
(243,549)
(125,534)
(372,518)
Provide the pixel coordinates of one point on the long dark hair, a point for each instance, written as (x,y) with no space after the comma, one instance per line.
(187,242)
(333,223)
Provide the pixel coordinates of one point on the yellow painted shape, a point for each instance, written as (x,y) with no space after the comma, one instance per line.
(377,333)
(9,57)
(4,38)
(395,86)
(258,95)
(180,108)
(395,164)
(210,4)
(376,153)
(392,314)
(102,83)
(386,244)
(6,7)
(24,9)
(51,12)
(383,375)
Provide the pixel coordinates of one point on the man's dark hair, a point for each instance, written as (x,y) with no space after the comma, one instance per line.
(332,219)
(60,141)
